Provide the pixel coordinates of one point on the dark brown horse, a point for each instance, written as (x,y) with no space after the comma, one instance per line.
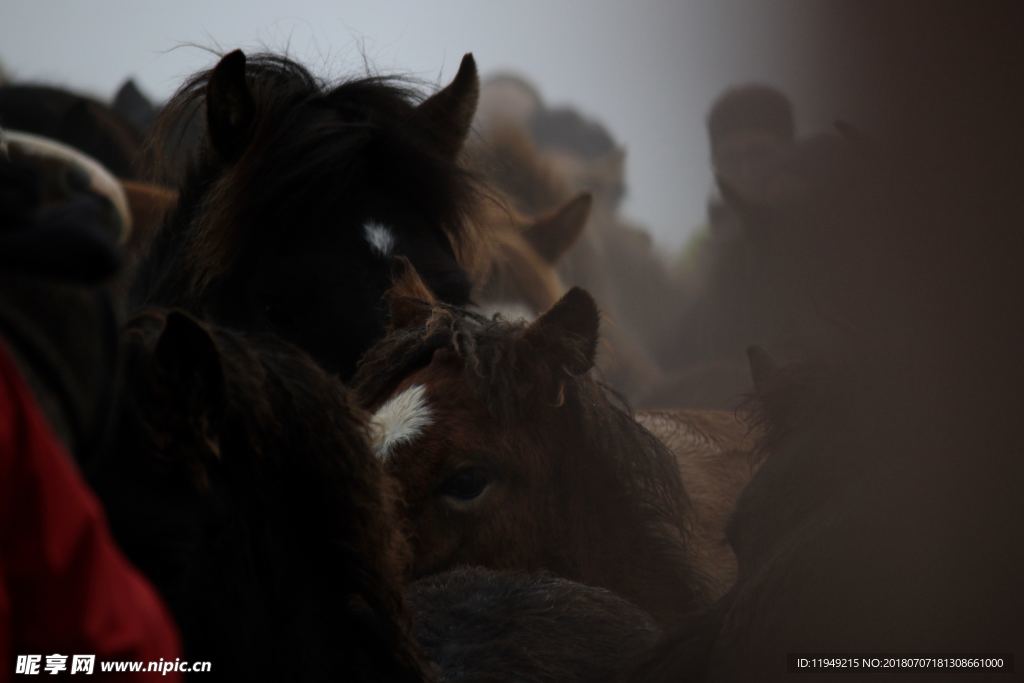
(612,261)
(512,456)
(301,193)
(483,625)
(519,277)
(242,484)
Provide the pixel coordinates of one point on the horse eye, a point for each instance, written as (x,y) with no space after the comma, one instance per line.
(466,484)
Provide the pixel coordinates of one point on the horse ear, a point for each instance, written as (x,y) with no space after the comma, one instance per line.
(187,357)
(449,112)
(763,369)
(553,235)
(229,106)
(409,300)
(569,329)
(131,104)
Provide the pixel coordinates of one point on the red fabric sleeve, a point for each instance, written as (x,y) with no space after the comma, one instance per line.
(64,586)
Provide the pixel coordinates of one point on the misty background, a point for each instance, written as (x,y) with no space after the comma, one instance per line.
(648,70)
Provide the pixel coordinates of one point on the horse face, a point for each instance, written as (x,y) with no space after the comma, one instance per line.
(474,490)
(316,190)
(479,487)
(322,289)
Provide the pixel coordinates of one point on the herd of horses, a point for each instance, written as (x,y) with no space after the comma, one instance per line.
(356,423)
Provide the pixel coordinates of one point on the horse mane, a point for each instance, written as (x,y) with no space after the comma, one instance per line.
(291,159)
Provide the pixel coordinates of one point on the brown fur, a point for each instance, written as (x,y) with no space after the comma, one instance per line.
(535,182)
(148,203)
(571,483)
(713,449)
(520,268)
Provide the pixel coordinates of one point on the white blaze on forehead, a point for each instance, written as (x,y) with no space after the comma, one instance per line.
(400,420)
(379,237)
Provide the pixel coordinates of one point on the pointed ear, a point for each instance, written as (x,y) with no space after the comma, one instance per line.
(133,105)
(409,300)
(448,113)
(763,369)
(229,106)
(568,331)
(187,357)
(553,235)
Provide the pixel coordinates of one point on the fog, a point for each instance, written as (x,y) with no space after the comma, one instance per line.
(647,70)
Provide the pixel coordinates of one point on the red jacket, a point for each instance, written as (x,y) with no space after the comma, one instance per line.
(65,588)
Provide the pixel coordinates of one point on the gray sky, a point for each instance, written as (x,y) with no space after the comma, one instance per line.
(648,69)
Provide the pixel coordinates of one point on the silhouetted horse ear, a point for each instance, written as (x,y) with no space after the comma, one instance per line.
(553,235)
(131,104)
(763,369)
(187,358)
(230,108)
(409,299)
(449,112)
(569,330)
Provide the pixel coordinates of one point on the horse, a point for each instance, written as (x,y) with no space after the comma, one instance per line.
(529,183)
(242,484)
(518,277)
(511,455)
(62,217)
(148,203)
(82,122)
(886,514)
(479,624)
(301,194)
(717,457)
(846,534)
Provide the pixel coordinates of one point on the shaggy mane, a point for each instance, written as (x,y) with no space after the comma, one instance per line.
(292,151)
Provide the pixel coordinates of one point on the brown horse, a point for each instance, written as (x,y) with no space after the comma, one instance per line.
(530,182)
(511,455)
(714,451)
(519,277)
